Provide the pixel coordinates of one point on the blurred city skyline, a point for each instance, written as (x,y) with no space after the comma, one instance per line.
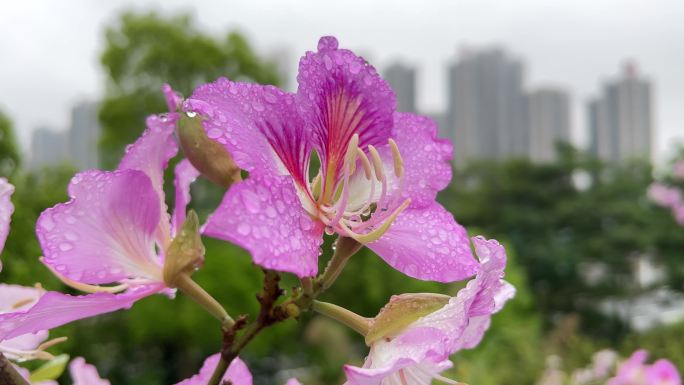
(574,46)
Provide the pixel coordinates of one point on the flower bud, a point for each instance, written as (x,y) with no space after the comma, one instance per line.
(401,311)
(186,252)
(207,156)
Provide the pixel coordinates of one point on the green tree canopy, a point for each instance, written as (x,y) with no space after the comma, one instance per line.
(144,51)
(9,151)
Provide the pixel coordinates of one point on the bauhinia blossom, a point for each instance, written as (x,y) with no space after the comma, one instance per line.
(668,197)
(81,373)
(111,238)
(334,157)
(6,210)
(635,371)
(415,353)
(237,373)
(27,346)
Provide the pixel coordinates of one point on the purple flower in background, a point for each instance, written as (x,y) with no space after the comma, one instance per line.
(635,371)
(114,231)
(376,172)
(83,373)
(668,197)
(663,372)
(417,353)
(237,373)
(6,210)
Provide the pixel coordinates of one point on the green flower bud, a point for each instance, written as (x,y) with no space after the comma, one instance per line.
(186,252)
(401,311)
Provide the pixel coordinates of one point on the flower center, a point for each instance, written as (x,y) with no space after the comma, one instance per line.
(369,219)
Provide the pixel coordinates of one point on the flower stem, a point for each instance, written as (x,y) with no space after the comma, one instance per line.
(199,295)
(358,323)
(9,375)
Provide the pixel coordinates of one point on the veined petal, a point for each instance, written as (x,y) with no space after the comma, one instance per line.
(151,154)
(427,244)
(55,309)
(237,373)
(105,233)
(174,100)
(6,210)
(408,358)
(426,159)
(83,373)
(259,126)
(185,175)
(466,317)
(266,217)
(340,95)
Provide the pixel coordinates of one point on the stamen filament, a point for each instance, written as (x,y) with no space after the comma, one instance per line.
(381,230)
(365,162)
(86,288)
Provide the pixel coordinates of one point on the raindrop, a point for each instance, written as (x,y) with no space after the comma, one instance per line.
(191,114)
(243,229)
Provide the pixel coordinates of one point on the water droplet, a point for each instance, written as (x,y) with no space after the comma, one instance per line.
(191,114)
(271,212)
(214,133)
(65,246)
(47,223)
(243,229)
(329,230)
(305,223)
(251,201)
(70,235)
(257,106)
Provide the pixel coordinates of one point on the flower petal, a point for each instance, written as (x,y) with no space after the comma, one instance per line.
(6,210)
(663,372)
(408,353)
(237,373)
(258,125)
(55,309)
(265,216)
(151,154)
(340,95)
(427,244)
(426,158)
(467,316)
(185,175)
(15,298)
(83,373)
(105,233)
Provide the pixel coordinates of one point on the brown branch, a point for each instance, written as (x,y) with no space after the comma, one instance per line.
(8,374)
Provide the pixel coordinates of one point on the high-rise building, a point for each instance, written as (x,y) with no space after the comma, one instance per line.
(84,135)
(48,148)
(620,119)
(548,119)
(486,106)
(403,81)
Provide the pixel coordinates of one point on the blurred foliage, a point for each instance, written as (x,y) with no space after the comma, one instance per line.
(559,230)
(144,51)
(9,151)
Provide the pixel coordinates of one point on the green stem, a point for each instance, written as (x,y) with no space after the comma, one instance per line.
(9,375)
(199,295)
(358,323)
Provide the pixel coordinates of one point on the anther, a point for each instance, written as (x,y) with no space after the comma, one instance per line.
(377,163)
(396,157)
(365,162)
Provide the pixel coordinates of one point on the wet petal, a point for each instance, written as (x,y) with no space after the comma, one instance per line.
(467,316)
(83,373)
(340,95)
(663,372)
(426,158)
(55,309)
(427,244)
(105,233)
(237,373)
(186,174)
(6,210)
(265,216)
(151,154)
(174,100)
(259,126)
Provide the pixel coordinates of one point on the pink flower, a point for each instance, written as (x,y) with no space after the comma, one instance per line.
(663,372)
(6,210)
(17,298)
(379,175)
(420,351)
(114,231)
(237,373)
(84,374)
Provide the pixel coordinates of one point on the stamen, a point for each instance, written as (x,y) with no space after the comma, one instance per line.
(48,344)
(350,156)
(381,230)
(396,157)
(86,288)
(22,302)
(377,163)
(365,162)
(38,353)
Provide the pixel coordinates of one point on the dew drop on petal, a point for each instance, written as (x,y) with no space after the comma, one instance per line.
(243,229)
(65,246)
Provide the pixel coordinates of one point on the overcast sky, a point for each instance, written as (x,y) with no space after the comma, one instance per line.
(49,49)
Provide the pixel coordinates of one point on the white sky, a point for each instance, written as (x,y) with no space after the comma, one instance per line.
(49,49)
